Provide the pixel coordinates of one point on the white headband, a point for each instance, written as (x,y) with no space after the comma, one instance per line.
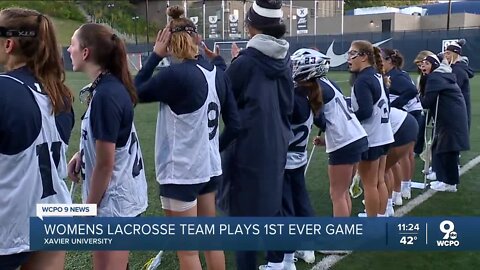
(265,12)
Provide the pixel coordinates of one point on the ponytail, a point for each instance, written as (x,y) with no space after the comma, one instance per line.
(378,64)
(118,66)
(47,66)
(377,54)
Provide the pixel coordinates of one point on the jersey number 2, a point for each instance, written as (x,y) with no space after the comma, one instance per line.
(384,107)
(295,145)
(45,165)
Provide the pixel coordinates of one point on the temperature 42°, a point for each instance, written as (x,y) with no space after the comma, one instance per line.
(408,240)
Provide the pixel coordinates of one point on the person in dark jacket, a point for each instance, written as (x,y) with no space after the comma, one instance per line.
(441,95)
(459,65)
(262,85)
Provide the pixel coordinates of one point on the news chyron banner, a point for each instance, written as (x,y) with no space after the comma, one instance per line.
(249,233)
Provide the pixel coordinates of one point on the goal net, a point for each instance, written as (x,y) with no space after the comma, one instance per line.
(225,48)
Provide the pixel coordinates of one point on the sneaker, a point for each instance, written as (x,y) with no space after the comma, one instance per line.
(291,265)
(397,198)
(432,176)
(267,267)
(435,183)
(362,214)
(445,187)
(390,212)
(406,192)
(334,252)
(307,255)
(428,172)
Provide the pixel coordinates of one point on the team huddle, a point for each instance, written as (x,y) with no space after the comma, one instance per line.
(268,99)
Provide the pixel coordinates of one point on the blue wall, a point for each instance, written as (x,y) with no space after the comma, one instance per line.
(408,43)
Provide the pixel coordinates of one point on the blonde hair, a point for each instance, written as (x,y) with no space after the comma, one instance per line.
(455,58)
(182,43)
(421,56)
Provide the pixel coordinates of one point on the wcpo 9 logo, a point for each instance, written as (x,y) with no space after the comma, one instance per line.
(447,227)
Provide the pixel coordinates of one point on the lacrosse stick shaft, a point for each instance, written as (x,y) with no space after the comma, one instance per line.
(309,159)
(429,142)
(73,188)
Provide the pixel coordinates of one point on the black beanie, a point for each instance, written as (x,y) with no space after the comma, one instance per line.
(433,59)
(456,46)
(265,12)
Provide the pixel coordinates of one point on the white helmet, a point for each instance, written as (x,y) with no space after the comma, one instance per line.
(308,64)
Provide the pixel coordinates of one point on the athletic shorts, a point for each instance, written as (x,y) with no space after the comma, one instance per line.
(374,153)
(407,132)
(13,261)
(349,154)
(188,193)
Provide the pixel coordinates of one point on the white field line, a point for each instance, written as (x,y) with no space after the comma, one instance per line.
(331,260)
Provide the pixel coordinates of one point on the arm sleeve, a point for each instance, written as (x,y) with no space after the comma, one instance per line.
(429,100)
(105,117)
(406,89)
(364,100)
(230,117)
(236,74)
(65,122)
(219,62)
(462,77)
(3,113)
(161,87)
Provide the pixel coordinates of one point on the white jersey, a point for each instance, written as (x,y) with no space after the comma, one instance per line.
(342,126)
(186,148)
(297,149)
(32,176)
(413,104)
(397,117)
(377,125)
(126,194)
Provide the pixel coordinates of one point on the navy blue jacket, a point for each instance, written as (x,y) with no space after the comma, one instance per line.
(183,87)
(451,129)
(253,167)
(401,85)
(464,73)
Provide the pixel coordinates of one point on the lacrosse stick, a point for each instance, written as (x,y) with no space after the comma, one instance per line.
(154,262)
(73,188)
(429,134)
(309,159)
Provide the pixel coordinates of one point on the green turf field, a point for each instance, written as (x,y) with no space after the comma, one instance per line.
(465,202)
